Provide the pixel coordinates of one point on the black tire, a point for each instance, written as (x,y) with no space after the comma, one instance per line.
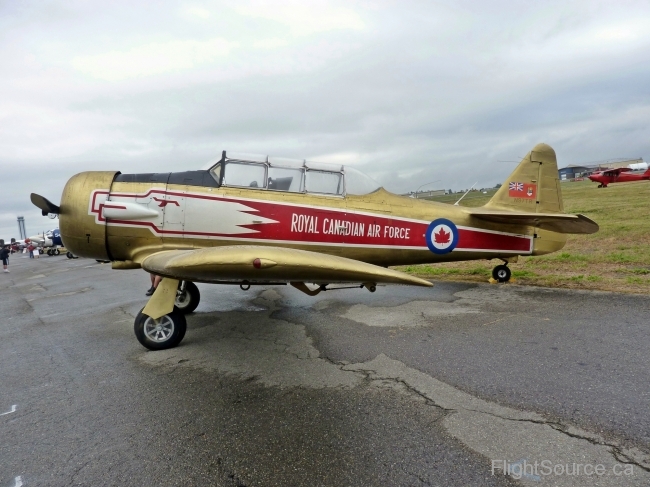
(49,252)
(501,273)
(188,300)
(56,252)
(165,332)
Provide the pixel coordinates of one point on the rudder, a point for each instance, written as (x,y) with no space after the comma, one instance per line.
(533,186)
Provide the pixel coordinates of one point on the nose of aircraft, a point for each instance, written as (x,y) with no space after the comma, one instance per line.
(80,232)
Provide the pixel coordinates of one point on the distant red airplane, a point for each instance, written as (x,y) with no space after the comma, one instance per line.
(620,175)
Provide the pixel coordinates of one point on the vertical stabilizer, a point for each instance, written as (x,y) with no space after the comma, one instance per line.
(533,186)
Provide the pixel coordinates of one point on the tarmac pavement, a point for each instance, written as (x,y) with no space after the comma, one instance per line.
(406,386)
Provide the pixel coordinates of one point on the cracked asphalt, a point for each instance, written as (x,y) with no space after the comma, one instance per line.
(406,386)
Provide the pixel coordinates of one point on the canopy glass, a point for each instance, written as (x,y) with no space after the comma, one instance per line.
(290,175)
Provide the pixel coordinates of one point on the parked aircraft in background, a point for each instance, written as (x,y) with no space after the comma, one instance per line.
(50,241)
(256,220)
(620,175)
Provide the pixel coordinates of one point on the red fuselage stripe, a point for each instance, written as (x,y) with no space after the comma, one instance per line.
(301,223)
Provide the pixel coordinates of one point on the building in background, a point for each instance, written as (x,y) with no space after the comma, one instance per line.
(426,194)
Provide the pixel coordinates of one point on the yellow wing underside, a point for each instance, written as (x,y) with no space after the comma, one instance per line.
(269,264)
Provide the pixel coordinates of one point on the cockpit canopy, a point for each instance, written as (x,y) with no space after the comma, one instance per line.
(290,175)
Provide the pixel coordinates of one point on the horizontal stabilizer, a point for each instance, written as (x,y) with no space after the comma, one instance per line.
(45,205)
(269,264)
(556,222)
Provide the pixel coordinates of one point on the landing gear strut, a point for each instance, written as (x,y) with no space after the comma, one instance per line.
(501,273)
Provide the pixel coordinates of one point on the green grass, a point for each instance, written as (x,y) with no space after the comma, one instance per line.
(639,271)
(617,258)
(523,273)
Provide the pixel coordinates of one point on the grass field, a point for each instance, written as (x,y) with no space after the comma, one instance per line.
(617,258)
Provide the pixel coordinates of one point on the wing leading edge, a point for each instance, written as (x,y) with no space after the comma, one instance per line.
(269,264)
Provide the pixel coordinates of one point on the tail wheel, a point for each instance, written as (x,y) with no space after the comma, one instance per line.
(162,333)
(501,273)
(187,297)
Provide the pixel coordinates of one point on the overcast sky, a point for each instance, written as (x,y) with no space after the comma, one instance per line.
(408,92)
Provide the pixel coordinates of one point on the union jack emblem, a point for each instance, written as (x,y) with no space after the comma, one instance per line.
(516,187)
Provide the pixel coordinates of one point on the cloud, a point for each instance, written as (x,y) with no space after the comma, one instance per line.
(303,18)
(270,43)
(153,59)
(199,13)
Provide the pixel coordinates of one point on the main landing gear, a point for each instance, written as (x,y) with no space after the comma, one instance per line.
(160,333)
(501,273)
(161,323)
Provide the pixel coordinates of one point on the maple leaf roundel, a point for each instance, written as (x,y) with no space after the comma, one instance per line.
(441,236)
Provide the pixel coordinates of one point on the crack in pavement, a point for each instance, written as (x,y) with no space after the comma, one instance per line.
(279,353)
(507,438)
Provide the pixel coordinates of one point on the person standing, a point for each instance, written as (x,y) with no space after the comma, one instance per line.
(31,251)
(4,255)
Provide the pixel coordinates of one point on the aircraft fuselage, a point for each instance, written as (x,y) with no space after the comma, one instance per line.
(124,218)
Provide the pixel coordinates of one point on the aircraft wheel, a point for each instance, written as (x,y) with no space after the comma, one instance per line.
(49,252)
(188,299)
(501,273)
(165,332)
(69,255)
(56,252)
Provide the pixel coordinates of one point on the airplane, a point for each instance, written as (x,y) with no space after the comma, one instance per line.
(250,220)
(620,175)
(50,240)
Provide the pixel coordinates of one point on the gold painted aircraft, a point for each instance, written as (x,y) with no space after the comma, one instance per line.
(254,220)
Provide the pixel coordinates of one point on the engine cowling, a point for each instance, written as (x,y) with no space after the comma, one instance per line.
(81,232)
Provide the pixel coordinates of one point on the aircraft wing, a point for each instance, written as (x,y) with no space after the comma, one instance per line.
(556,222)
(269,264)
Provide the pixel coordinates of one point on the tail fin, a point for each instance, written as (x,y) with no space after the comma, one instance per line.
(647,173)
(533,186)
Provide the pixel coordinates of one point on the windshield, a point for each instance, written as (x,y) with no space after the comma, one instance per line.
(358,183)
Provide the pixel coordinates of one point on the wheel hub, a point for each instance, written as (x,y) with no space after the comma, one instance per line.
(159,330)
(182,299)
